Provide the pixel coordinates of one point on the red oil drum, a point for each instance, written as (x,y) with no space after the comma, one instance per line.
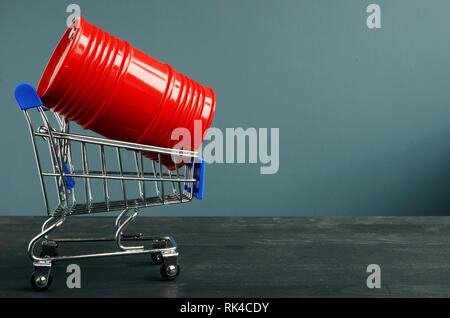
(106,85)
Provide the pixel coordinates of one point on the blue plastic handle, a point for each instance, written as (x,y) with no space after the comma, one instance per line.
(26,96)
(199,175)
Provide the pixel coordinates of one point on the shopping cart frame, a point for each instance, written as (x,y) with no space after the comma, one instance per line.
(184,185)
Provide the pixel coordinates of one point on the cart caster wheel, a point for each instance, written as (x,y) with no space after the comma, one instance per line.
(157,258)
(40,282)
(170,272)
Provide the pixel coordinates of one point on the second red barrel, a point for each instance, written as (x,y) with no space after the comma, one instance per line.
(106,85)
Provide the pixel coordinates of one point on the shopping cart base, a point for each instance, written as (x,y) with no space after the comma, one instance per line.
(163,249)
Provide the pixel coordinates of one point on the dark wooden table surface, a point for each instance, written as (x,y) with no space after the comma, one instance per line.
(247,257)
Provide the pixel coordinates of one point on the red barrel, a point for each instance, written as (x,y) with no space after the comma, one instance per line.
(106,85)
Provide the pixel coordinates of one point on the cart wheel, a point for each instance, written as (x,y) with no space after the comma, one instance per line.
(40,282)
(157,258)
(170,272)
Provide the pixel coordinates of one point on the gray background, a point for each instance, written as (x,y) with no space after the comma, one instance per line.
(363,114)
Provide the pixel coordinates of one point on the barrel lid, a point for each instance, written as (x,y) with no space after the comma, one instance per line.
(52,72)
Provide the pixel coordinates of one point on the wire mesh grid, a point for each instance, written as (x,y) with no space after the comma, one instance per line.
(94,174)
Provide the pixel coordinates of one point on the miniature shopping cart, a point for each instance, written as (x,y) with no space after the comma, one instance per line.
(92,175)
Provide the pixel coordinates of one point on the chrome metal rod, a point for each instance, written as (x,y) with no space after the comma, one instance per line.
(87,181)
(107,254)
(156,182)
(138,175)
(121,144)
(104,173)
(57,168)
(38,161)
(142,175)
(120,216)
(119,158)
(107,239)
(76,175)
(160,174)
(119,233)
(179,184)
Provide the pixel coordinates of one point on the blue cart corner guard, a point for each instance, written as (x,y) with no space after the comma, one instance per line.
(199,175)
(26,96)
